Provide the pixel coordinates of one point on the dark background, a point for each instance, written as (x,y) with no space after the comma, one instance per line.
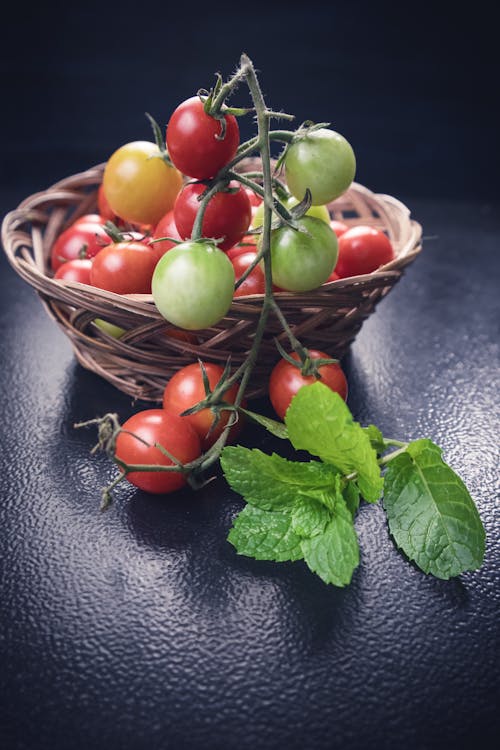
(141,629)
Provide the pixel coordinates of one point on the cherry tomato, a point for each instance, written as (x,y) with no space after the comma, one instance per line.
(193,285)
(168,430)
(195,143)
(322,161)
(89,219)
(303,260)
(319,212)
(338,227)
(166,227)
(247,244)
(228,214)
(255,200)
(363,249)
(124,268)
(139,186)
(185,389)
(110,328)
(286,380)
(75,270)
(81,240)
(333,277)
(255,282)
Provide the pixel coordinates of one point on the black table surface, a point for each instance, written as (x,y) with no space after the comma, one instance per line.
(141,627)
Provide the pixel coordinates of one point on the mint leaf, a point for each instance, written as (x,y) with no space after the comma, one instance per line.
(272,482)
(265,535)
(278,429)
(376,438)
(309,516)
(350,494)
(431,515)
(319,421)
(334,554)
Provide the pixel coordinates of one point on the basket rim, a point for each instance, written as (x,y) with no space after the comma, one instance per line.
(62,191)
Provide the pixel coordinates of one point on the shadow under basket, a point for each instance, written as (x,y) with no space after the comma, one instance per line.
(151,351)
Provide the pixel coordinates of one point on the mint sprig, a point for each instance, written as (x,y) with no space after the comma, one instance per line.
(306,509)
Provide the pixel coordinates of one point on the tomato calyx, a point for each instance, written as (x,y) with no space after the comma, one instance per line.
(159,140)
(307,127)
(214,397)
(307,365)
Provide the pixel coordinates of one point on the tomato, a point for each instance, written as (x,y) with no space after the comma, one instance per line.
(333,277)
(303,260)
(89,219)
(138,185)
(286,380)
(110,328)
(193,285)
(319,212)
(363,249)
(124,268)
(194,140)
(80,240)
(322,161)
(255,282)
(104,207)
(228,214)
(75,270)
(248,243)
(338,227)
(254,198)
(185,389)
(168,430)
(166,227)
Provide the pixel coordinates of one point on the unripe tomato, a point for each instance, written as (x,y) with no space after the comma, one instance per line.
(193,285)
(138,184)
(319,212)
(322,161)
(168,430)
(286,380)
(362,249)
(195,143)
(186,388)
(227,215)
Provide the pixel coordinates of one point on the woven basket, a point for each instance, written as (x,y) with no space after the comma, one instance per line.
(144,358)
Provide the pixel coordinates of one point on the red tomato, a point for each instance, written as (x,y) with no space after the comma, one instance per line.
(104,208)
(168,430)
(255,282)
(89,219)
(255,200)
(194,140)
(75,270)
(228,215)
(338,227)
(166,227)
(286,380)
(247,244)
(81,240)
(185,389)
(362,249)
(333,277)
(124,268)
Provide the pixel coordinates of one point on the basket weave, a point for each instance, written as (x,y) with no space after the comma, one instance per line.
(144,358)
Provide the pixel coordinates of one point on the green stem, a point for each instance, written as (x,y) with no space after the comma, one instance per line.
(197,232)
(390,456)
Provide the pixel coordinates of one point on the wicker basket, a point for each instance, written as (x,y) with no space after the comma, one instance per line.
(144,358)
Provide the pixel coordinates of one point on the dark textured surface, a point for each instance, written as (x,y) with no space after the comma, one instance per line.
(141,628)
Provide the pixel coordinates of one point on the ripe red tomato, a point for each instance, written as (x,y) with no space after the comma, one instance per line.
(168,430)
(255,282)
(194,140)
(81,240)
(286,380)
(338,227)
(362,249)
(89,219)
(247,244)
(166,227)
(185,389)
(104,208)
(124,268)
(255,200)
(75,270)
(228,214)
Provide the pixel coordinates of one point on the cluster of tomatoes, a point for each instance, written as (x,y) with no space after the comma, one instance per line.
(152,195)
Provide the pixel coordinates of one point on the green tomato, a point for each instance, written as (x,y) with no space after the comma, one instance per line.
(115,331)
(320,212)
(193,285)
(303,260)
(322,161)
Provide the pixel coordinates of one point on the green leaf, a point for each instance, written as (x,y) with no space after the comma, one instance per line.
(350,494)
(272,482)
(309,516)
(265,535)
(376,438)
(278,429)
(334,554)
(319,421)
(431,515)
